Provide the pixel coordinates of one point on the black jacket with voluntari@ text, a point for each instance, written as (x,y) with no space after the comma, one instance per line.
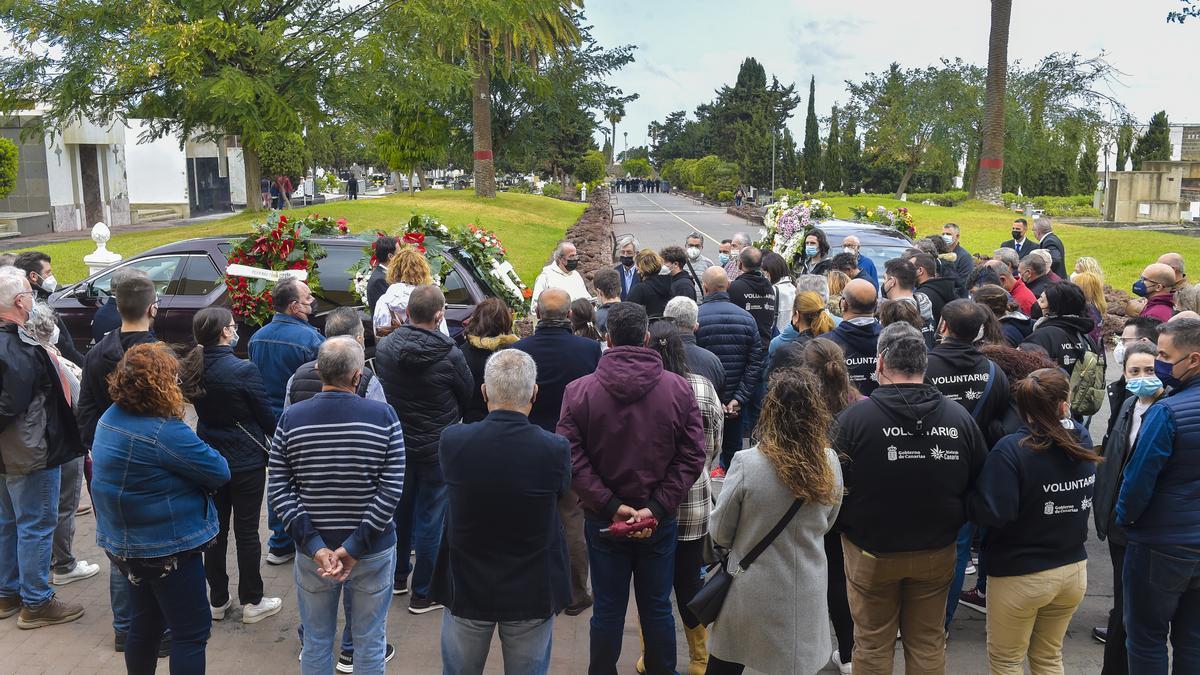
(962,374)
(911,457)
(1035,504)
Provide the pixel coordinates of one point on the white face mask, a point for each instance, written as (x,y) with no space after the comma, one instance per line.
(1119,353)
(693,253)
(49,284)
(850,249)
(54,335)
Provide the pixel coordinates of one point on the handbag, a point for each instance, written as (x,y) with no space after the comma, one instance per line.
(707,602)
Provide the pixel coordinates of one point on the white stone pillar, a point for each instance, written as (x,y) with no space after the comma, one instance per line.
(101,257)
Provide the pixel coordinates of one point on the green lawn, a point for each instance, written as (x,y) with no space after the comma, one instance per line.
(528,225)
(1122,253)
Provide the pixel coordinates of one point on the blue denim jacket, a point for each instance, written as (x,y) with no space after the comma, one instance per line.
(151,484)
(278,349)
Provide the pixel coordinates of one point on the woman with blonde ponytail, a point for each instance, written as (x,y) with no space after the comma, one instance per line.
(810,320)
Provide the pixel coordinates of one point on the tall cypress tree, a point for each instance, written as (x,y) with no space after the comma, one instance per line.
(1153,145)
(1124,145)
(851,152)
(812,142)
(833,156)
(1087,173)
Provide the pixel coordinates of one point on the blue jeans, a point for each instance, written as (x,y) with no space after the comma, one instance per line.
(370,588)
(178,601)
(28,516)
(651,563)
(420,518)
(1162,596)
(280,541)
(347,630)
(525,645)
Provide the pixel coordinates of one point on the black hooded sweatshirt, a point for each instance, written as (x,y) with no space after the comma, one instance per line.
(754,293)
(961,373)
(655,292)
(910,458)
(1064,338)
(939,290)
(858,343)
(93,389)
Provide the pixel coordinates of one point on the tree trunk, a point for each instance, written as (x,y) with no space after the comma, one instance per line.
(253,169)
(990,184)
(422,179)
(481,121)
(908,174)
(612,151)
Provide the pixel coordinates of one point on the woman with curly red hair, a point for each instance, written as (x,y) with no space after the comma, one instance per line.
(152,483)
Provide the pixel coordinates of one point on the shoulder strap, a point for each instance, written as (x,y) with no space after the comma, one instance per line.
(745,563)
(987,389)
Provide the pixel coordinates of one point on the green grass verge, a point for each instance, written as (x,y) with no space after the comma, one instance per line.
(1122,253)
(528,225)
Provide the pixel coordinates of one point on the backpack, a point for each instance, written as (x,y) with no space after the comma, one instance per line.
(1087,382)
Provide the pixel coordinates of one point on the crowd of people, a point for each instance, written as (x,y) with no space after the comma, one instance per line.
(850,442)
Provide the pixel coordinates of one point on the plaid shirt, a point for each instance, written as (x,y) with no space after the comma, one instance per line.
(693,512)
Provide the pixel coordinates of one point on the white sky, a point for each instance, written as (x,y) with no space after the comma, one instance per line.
(688,49)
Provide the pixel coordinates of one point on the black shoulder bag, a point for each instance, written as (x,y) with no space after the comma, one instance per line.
(707,602)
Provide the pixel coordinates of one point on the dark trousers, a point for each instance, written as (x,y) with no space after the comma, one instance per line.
(718,667)
(241,497)
(835,595)
(174,601)
(732,441)
(1116,655)
(1162,598)
(651,563)
(571,514)
(689,558)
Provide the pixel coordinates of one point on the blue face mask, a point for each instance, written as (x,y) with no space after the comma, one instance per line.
(724,258)
(233,341)
(1139,288)
(1164,370)
(948,239)
(810,251)
(1143,386)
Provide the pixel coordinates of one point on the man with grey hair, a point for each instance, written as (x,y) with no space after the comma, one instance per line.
(1035,272)
(694,246)
(1049,242)
(507,565)
(563,272)
(909,458)
(627,248)
(337,467)
(1009,257)
(1012,282)
(685,314)
(37,436)
(733,268)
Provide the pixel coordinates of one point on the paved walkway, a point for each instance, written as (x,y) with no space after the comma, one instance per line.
(660,220)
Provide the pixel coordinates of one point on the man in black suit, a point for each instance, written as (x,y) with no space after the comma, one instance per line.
(561,358)
(503,561)
(1043,228)
(1021,243)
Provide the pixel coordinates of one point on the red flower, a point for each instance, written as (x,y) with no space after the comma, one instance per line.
(374,260)
(414,238)
(528,293)
(342,227)
(282,219)
(421,249)
(341,222)
(299,265)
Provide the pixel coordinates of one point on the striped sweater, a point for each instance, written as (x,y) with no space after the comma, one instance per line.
(337,472)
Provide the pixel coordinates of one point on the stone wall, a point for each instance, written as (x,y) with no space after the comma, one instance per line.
(593,235)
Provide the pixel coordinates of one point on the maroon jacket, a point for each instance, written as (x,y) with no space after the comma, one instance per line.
(636,435)
(1161,306)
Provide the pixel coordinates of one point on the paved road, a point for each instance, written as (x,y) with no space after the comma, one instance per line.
(660,220)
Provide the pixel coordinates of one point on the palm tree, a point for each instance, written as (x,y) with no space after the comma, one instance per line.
(615,113)
(990,181)
(491,36)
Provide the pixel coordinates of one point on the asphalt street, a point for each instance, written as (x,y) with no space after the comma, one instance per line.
(660,220)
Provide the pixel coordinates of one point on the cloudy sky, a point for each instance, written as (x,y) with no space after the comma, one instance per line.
(686,50)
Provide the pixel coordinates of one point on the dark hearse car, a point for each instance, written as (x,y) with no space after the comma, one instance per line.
(877,242)
(190,275)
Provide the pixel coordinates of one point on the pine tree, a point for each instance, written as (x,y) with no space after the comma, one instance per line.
(1087,175)
(833,156)
(1155,144)
(812,142)
(851,152)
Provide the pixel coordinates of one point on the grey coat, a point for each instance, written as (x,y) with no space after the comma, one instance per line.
(775,619)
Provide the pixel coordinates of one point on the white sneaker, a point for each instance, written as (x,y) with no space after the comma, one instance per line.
(971,569)
(280,558)
(263,609)
(218,613)
(836,658)
(83,570)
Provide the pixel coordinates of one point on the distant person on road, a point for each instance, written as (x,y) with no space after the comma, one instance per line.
(738,197)
(563,272)
(264,186)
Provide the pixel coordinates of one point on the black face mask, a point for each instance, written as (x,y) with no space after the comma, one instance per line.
(626,260)
(1017,236)
(572,263)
